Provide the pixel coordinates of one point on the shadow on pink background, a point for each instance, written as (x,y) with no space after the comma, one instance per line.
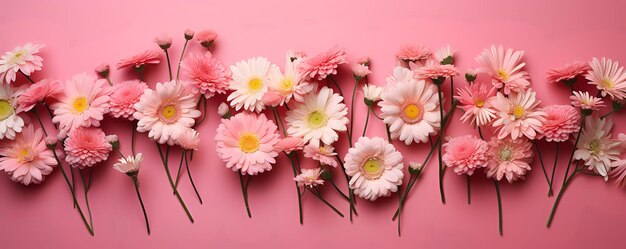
(80,35)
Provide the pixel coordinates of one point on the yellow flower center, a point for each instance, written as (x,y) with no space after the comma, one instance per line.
(479,103)
(503,75)
(6,109)
(80,104)
(518,111)
(317,119)
(249,143)
(168,112)
(25,156)
(505,154)
(595,146)
(286,84)
(412,113)
(255,84)
(372,168)
(607,83)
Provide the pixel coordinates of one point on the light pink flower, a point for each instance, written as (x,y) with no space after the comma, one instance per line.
(324,154)
(517,116)
(206,37)
(164,41)
(272,98)
(85,147)
(129,165)
(619,172)
(309,177)
(138,60)
(476,102)
(508,158)
(124,96)
(561,121)
(414,53)
(84,102)
(360,70)
(223,110)
(465,154)
(505,68)
(189,139)
(568,72)
(289,144)
(363,60)
(103,70)
(165,112)
(246,143)
(596,148)
(26,158)
(433,71)
(189,34)
(20,59)
(608,77)
(206,73)
(322,65)
(38,92)
(290,83)
(584,100)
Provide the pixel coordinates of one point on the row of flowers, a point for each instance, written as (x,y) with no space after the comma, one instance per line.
(498,102)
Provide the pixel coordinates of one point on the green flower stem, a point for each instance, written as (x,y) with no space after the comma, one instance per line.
(191,180)
(244,191)
(295,169)
(351,130)
(180,61)
(180,167)
(367,119)
(439,155)
(169,65)
(51,115)
(39,120)
(27,77)
(339,190)
(545,173)
(133,127)
(143,208)
(317,194)
(556,159)
(496,184)
(86,189)
(469,192)
(169,177)
(350,191)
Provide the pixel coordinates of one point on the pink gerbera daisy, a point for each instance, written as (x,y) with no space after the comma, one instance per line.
(22,59)
(324,64)
(246,143)
(409,53)
(139,60)
(508,158)
(596,148)
(39,92)
(289,144)
(124,96)
(85,147)
(165,112)
(476,102)
(206,37)
(560,122)
(324,154)
(84,102)
(567,73)
(309,177)
(517,116)
(505,68)
(26,158)
(206,74)
(584,100)
(608,77)
(189,139)
(466,154)
(436,71)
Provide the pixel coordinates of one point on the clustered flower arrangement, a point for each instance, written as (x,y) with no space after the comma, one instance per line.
(307,114)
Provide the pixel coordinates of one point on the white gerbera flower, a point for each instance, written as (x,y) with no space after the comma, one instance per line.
(249,83)
(318,119)
(22,59)
(596,147)
(371,93)
(291,83)
(10,122)
(410,107)
(375,167)
(608,77)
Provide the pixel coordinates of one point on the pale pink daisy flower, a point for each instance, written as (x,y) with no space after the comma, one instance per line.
(206,74)
(38,92)
(410,108)
(561,121)
(139,60)
(291,83)
(619,172)
(436,72)
(372,93)
(24,59)
(360,70)
(585,101)
(246,143)
(129,165)
(26,158)
(465,154)
(476,102)
(249,83)
(309,177)
(273,98)
(206,38)
(85,147)
(608,77)
(504,68)
(445,55)
(409,53)
(165,112)
(508,158)
(568,73)
(324,154)
(189,139)
(84,102)
(596,148)
(124,96)
(517,115)
(322,65)
(11,122)
(289,144)
(374,167)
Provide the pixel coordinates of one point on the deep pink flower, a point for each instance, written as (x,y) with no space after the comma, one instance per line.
(206,73)
(508,158)
(85,147)
(138,60)
(39,92)
(560,122)
(124,96)
(568,72)
(466,154)
(322,65)
(476,102)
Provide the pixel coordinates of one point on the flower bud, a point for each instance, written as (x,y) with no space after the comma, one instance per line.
(164,41)
(114,141)
(51,142)
(224,110)
(189,34)
(415,168)
(103,70)
(326,175)
(470,75)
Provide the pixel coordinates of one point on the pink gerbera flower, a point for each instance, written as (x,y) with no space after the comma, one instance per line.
(324,154)
(289,144)
(26,158)
(409,53)
(206,37)
(324,64)
(189,139)
(584,100)
(567,73)
(85,147)
(517,116)
(608,77)
(309,177)
(436,71)
(22,59)
(124,96)
(560,122)
(476,102)
(84,102)
(246,143)
(138,60)
(206,73)
(508,158)
(505,68)
(466,154)
(39,92)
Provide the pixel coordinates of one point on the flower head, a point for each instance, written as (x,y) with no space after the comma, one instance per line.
(26,158)
(409,53)
(445,56)
(596,148)
(476,102)
(139,60)
(436,72)
(103,70)
(189,139)
(360,70)
(206,74)
(561,121)
(223,110)
(289,144)
(85,147)
(375,168)
(38,92)
(568,72)
(246,143)
(249,84)
(124,96)
(504,68)
(189,34)
(291,83)
(206,38)
(273,98)
(372,94)
(585,101)
(164,41)
(466,154)
(324,64)
(323,154)
(608,77)
(129,165)
(517,115)
(508,158)
(24,59)
(309,177)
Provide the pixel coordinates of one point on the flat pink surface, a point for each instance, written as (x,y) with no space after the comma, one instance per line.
(80,35)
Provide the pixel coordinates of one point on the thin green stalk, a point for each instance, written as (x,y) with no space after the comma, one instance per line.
(317,194)
(169,66)
(51,115)
(367,119)
(191,181)
(439,155)
(350,191)
(169,178)
(27,77)
(560,195)
(469,192)
(339,190)
(351,130)
(244,191)
(543,168)
(180,61)
(336,84)
(499,206)
(133,126)
(556,159)
(180,167)
(281,126)
(388,133)
(40,123)
(86,189)
(143,208)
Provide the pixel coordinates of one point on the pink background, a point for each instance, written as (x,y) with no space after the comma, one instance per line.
(80,35)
